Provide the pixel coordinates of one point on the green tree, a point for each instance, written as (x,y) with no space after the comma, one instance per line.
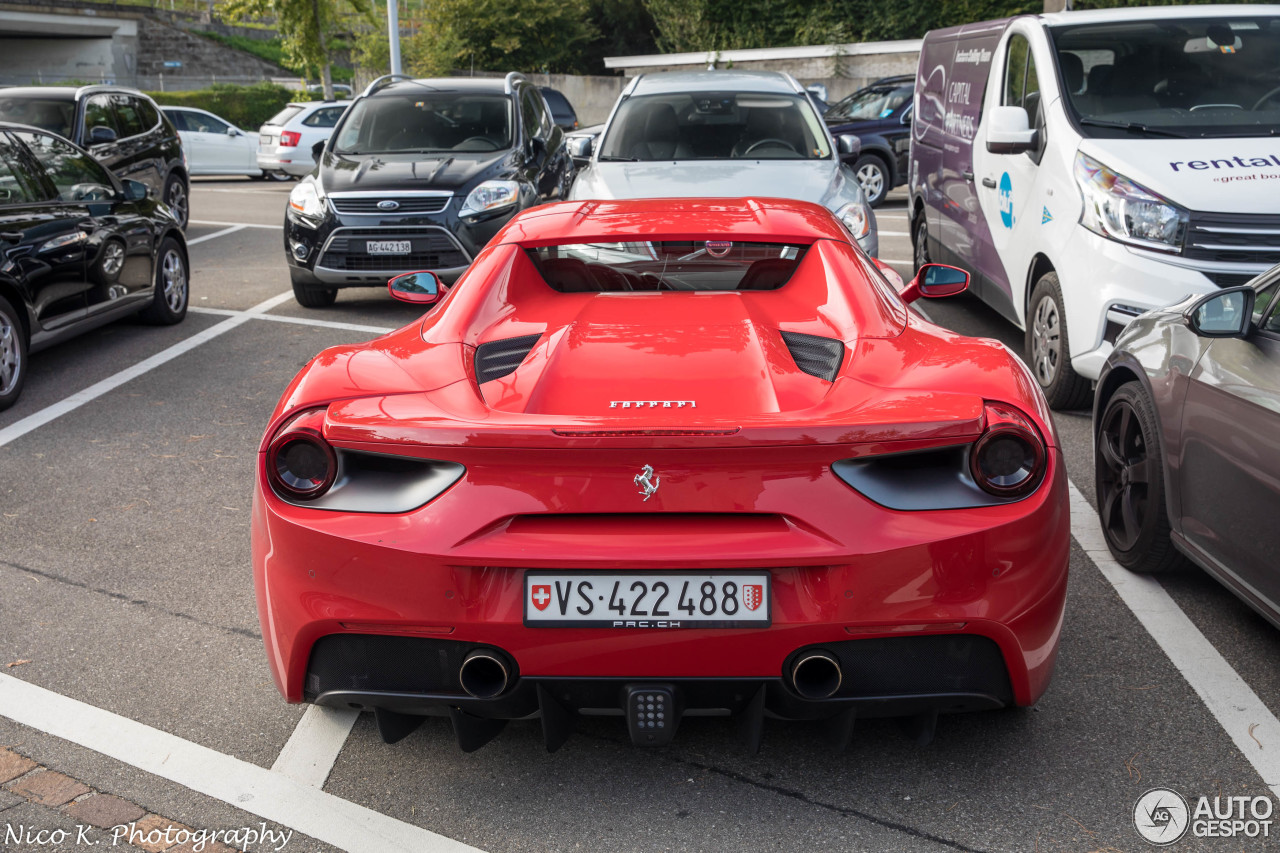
(306,28)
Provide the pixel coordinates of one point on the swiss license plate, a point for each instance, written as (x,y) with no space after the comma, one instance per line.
(266,139)
(388,247)
(646,600)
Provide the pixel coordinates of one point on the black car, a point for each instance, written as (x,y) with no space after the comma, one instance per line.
(879,115)
(121,127)
(418,175)
(562,112)
(78,248)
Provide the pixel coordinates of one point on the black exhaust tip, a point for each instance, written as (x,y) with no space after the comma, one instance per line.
(816,675)
(484,674)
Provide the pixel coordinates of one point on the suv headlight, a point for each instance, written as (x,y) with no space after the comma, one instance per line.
(305,202)
(491,196)
(1116,207)
(855,218)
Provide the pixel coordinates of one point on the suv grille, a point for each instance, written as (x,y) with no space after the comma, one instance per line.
(816,356)
(1240,238)
(430,248)
(408,204)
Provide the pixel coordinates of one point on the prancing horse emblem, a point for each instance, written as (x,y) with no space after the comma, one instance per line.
(647,482)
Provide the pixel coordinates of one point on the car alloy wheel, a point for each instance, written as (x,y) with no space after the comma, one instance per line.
(921,255)
(173,277)
(112,259)
(872,179)
(1124,474)
(1046,340)
(176,197)
(10,354)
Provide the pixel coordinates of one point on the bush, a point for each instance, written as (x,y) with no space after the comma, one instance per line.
(244,106)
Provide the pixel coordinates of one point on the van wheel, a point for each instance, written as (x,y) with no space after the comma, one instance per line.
(309,296)
(13,355)
(1049,350)
(873,177)
(921,248)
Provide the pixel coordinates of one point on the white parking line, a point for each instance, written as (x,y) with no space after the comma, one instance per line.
(1244,717)
(224,232)
(239,224)
(314,746)
(270,795)
(19,428)
(894,233)
(892,261)
(301,321)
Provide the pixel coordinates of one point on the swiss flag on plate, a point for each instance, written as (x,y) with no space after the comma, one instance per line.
(752,595)
(541,595)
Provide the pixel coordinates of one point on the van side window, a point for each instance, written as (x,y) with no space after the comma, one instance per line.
(1021,83)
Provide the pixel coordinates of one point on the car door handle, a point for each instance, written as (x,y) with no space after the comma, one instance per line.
(968,175)
(11,236)
(989,183)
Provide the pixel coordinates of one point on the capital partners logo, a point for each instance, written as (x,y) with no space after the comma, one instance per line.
(1162,816)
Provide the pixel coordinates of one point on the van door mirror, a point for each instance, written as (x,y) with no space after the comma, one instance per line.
(420,287)
(1009,131)
(905,119)
(317,150)
(849,144)
(1225,314)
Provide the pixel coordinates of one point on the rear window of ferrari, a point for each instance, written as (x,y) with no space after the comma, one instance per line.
(677,265)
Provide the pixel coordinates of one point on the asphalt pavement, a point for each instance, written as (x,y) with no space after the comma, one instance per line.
(127,596)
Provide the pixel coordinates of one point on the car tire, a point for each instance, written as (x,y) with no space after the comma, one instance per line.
(1049,348)
(13,354)
(920,243)
(172,287)
(178,196)
(874,178)
(1129,482)
(310,296)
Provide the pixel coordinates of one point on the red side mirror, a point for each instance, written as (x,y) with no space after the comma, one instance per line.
(423,287)
(935,280)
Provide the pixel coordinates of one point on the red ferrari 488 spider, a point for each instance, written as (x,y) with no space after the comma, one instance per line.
(661,458)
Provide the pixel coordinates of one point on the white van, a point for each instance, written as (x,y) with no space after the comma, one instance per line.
(1088,166)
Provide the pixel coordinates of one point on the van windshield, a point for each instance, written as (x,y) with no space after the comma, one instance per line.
(1193,77)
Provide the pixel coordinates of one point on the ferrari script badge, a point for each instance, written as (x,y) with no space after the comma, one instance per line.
(647,482)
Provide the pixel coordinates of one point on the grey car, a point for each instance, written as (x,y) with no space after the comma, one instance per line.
(1187,440)
(714,134)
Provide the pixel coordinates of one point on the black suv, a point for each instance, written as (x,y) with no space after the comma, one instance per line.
(418,175)
(78,248)
(880,116)
(121,127)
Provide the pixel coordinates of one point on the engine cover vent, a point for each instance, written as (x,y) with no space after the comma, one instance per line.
(496,359)
(816,356)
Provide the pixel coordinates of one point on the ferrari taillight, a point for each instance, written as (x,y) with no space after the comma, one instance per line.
(1008,460)
(301,465)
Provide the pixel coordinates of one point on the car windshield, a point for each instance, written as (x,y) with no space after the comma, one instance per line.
(51,114)
(1194,77)
(425,121)
(872,102)
(715,126)
(683,265)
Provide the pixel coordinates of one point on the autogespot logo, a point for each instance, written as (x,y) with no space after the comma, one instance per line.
(1161,816)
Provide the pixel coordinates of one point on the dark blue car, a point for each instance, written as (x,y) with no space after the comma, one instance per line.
(879,115)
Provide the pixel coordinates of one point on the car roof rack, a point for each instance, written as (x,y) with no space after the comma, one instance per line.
(104,87)
(382,82)
(509,83)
